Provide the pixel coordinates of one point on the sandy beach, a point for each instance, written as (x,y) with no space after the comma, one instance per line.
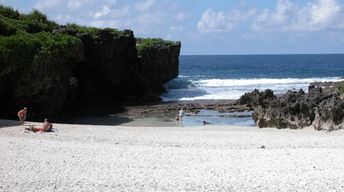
(204,158)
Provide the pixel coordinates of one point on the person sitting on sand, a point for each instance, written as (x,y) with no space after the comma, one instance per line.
(47,127)
(22,115)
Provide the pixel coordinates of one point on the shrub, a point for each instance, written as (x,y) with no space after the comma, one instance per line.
(9,12)
(18,50)
(93,31)
(21,49)
(34,22)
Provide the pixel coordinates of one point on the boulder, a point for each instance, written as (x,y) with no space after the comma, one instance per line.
(256,97)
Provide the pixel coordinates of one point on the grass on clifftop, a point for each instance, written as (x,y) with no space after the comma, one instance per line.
(26,39)
(12,21)
(22,49)
(33,33)
(147,43)
(93,31)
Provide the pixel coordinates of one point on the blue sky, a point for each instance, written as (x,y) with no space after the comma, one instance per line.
(212,26)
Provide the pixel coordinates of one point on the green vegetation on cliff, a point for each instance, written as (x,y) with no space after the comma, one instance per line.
(11,21)
(93,31)
(26,39)
(143,44)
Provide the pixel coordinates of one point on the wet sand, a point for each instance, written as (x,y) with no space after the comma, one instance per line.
(201,158)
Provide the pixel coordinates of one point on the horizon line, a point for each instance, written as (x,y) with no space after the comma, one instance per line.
(253,54)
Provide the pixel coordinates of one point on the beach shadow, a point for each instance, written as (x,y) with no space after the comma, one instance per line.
(8,123)
(99,120)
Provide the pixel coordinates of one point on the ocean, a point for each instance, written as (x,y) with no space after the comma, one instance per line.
(204,77)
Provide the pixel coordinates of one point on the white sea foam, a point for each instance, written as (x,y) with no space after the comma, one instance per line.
(234,88)
(264,81)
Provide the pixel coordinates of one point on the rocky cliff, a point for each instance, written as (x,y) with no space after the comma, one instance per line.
(158,63)
(51,68)
(322,108)
(109,63)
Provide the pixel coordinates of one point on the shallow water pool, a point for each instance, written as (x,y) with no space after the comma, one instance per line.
(218,118)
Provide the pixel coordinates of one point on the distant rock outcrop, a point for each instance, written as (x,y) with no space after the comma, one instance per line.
(321,108)
(256,98)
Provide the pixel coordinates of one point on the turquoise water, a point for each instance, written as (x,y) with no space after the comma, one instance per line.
(217,118)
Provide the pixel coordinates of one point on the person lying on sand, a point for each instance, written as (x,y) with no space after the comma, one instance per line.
(47,127)
(22,115)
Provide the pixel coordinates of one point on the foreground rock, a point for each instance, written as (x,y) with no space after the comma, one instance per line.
(321,108)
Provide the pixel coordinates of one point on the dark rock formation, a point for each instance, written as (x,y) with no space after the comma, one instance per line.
(158,64)
(109,60)
(256,98)
(51,68)
(320,108)
(38,74)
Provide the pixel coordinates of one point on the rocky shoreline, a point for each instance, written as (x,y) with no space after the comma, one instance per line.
(322,108)
(170,109)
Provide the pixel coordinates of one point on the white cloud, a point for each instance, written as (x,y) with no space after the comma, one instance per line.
(149,21)
(176,28)
(120,12)
(324,12)
(277,19)
(103,12)
(213,21)
(144,6)
(318,15)
(181,16)
(143,17)
(70,5)
(148,18)
(46,4)
(74,4)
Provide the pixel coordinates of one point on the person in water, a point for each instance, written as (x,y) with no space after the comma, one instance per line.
(180,115)
(22,115)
